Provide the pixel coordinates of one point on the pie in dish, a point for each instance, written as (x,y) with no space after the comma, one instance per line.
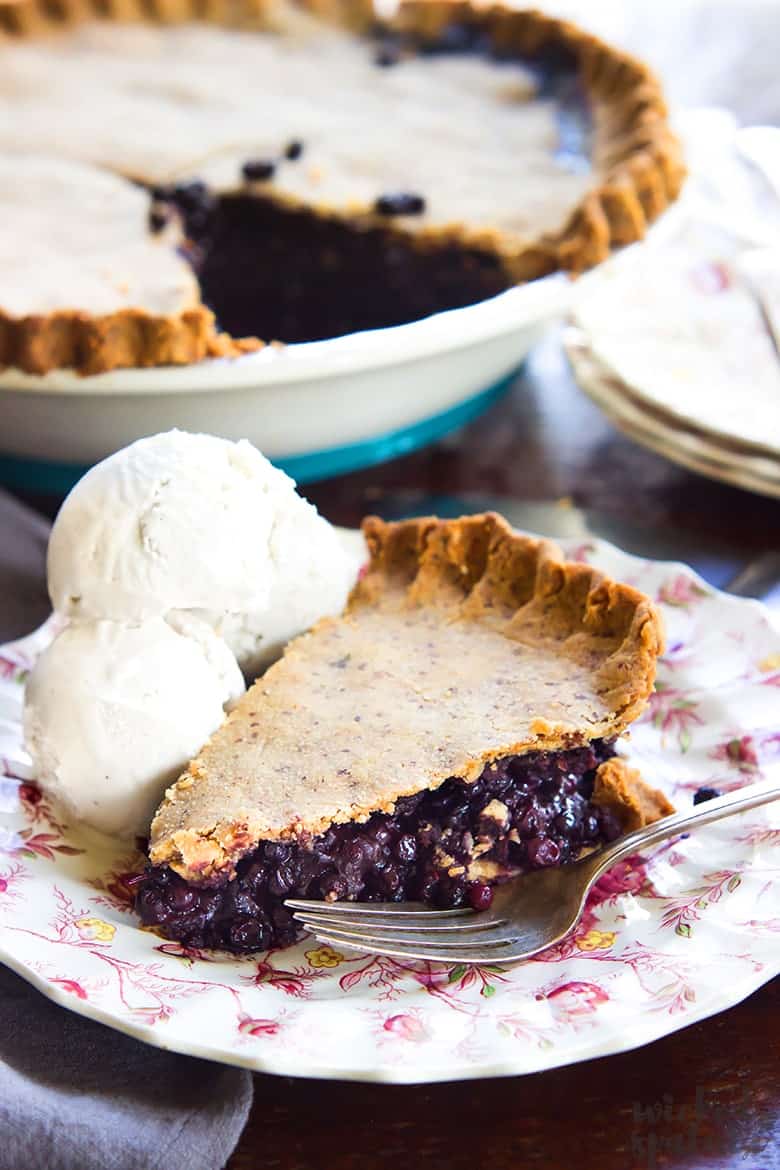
(224,173)
(454,727)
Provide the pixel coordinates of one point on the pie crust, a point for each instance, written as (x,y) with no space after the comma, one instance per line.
(463,642)
(639,173)
(99,225)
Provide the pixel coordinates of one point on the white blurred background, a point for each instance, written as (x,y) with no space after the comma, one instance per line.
(709,52)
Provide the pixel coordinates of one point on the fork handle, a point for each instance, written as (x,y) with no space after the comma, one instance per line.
(740,800)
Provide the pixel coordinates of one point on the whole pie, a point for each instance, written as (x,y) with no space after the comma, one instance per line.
(181,180)
(457,725)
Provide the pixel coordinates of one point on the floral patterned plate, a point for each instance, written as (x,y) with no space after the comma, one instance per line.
(667,938)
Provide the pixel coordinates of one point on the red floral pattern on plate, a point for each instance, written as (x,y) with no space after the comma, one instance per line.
(665,939)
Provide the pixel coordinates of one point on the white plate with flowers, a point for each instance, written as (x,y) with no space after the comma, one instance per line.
(666,940)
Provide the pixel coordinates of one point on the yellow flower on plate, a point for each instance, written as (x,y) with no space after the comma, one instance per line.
(596,940)
(324,957)
(95,928)
(769,664)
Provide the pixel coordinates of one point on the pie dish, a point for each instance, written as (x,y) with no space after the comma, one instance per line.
(536,148)
(456,726)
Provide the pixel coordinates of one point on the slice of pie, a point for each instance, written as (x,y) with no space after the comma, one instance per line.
(301,170)
(456,726)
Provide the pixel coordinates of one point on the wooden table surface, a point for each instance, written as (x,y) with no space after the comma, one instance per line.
(705,1098)
(715,1085)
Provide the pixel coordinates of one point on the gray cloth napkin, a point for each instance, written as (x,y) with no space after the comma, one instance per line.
(76,1095)
(24,602)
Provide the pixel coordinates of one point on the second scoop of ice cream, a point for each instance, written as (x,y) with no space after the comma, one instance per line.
(113,712)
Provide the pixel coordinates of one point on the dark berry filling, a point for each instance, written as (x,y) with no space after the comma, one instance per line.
(258,169)
(158,218)
(400,203)
(193,201)
(705,793)
(287,274)
(293,150)
(524,812)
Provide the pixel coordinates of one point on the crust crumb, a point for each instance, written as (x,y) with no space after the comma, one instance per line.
(622,790)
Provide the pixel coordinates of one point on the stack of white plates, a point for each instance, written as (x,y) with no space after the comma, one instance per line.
(684,435)
(678,339)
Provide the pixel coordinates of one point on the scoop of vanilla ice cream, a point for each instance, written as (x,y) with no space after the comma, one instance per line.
(170,559)
(175,521)
(315,567)
(113,712)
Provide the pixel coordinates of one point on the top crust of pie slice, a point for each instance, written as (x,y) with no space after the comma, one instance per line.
(462,642)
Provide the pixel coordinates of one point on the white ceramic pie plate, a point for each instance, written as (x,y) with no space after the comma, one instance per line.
(666,940)
(319,408)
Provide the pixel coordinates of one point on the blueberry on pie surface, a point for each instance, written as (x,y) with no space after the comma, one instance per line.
(464,149)
(456,726)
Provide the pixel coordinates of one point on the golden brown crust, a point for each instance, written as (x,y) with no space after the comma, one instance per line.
(463,642)
(644,170)
(128,338)
(35,17)
(621,789)
(641,165)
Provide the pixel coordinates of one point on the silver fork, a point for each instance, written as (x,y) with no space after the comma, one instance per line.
(527,915)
